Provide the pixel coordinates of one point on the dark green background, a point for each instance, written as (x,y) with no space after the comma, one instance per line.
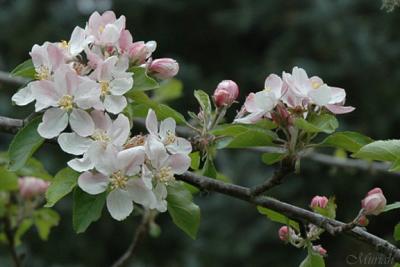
(350,44)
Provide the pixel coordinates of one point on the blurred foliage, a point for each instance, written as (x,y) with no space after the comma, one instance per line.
(352,44)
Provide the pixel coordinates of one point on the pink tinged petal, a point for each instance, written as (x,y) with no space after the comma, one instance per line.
(23,97)
(44,92)
(81,164)
(179,163)
(39,55)
(338,95)
(265,101)
(120,130)
(73,143)
(107,163)
(108,17)
(321,96)
(121,86)
(120,23)
(250,103)
(87,94)
(251,118)
(274,83)
(151,122)
(140,193)
(180,146)
(156,152)
(125,40)
(95,20)
(110,35)
(337,109)
(93,183)
(60,80)
(115,104)
(119,204)
(81,122)
(54,121)
(56,56)
(130,160)
(72,81)
(167,127)
(101,120)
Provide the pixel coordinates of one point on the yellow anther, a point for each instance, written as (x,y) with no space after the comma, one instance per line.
(165,175)
(64,44)
(118,180)
(42,73)
(316,85)
(66,102)
(101,136)
(104,87)
(170,138)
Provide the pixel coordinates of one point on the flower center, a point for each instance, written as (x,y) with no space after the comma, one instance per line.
(64,44)
(101,28)
(170,138)
(104,87)
(101,136)
(118,180)
(66,102)
(165,175)
(137,140)
(315,85)
(42,73)
(267,89)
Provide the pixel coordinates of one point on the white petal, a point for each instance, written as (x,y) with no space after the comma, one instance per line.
(321,96)
(151,122)
(140,193)
(101,120)
(93,183)
(81,164)
(120,130)
(156,152)
(81,122)
(119,204)
(130,160)
(167,126)
(77,42)
(54,121)
(121,86)
(180,146)
(44,92)
(105,159)
(73,143)
(115,104)
(160,192)
(110,34)
(179,163)
(23,97)
(251,118)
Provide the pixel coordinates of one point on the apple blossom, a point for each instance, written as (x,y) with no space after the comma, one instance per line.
(166,134)
(260,104)
(30,187)
(374,202)
(106,28)
(67,96)
(319,202)
(284,233)
(119,171)
(320,250)
(226,93)
(164,68)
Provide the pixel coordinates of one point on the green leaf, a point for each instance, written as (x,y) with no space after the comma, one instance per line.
(141,81)
(388,150)
(44,220)
(204,100)
(330,209)
(350,141)
(23,227)
(322,123)
(271,158)
(62,184)
(209,169)
(185,214)
(24,144)
(313,260)
(396,233)
(25,69)
(86,209)
(169,90)
(278,217)
(393,206)
(8,180)
(195,160)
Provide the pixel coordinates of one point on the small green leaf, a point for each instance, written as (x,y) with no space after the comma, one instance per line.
(185,214)
(44,220)
(86,209)
(25,69)
(62,184)
(388,150)
(322,123)
(209,169)
(313,260)
(141,81)
(271,158)
(350,141)
(396,233)
(195,160)
(23,227)
(278,217)
(393,206)
(8,180)
(169,90)
(24,144)
(204,100)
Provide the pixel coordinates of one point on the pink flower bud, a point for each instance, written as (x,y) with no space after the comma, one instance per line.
(164,68)
(320,250)
(226,93)
(284,233)
(138,52)
(319,202)
(30,187)
(374,202)
(363,221)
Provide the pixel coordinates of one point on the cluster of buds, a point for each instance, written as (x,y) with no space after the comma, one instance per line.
(319,202)
(31,187)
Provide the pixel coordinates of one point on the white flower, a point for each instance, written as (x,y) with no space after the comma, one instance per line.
(119,172)
(163,167)
(105,28)
(260,104)
(114,82)
(106,132)
(67,96)
(166,134)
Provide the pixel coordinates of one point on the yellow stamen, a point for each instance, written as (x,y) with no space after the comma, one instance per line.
(170,139)
(64,44)
(104,87)
(101,28)
(268,89)
(101,136)
(42,73)
(66,102)
(315,85)
(165,175)
(118,180)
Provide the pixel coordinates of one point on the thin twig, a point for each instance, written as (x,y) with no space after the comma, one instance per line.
(138,237)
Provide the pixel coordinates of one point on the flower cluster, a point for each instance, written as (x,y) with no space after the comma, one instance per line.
(296,93)
(82,83)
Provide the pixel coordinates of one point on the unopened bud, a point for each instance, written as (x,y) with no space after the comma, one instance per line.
(138,52)
(374,202)
(282,116)
(319,202)
(164,68)
(226,93)
(320,250)
(285,233)
(30,187)
(362,221)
